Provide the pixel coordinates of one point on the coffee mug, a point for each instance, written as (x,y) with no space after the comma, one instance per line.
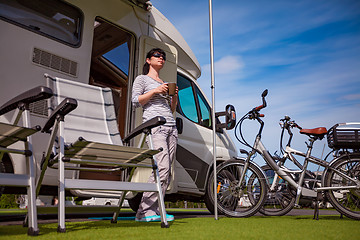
(172,88)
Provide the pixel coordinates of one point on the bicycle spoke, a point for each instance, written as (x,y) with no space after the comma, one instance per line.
(279,201)
(346,201)
(239,199)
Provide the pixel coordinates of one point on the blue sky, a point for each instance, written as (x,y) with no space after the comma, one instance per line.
(307,53)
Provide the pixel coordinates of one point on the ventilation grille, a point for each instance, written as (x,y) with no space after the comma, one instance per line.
(54,62)
(39,108)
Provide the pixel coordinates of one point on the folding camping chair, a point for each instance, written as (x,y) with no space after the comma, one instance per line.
(89,135)
(12,133)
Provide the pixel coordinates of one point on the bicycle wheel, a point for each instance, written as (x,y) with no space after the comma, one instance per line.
(234,199)
(280,201)
(225,178)
(346,201)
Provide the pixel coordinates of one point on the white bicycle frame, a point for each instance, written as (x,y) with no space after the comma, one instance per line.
(284,173)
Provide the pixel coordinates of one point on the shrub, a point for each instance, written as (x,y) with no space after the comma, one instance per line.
(8,201)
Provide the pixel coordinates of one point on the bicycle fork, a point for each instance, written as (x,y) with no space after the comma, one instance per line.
(246,165)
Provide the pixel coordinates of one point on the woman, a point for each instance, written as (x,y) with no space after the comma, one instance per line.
(151,93)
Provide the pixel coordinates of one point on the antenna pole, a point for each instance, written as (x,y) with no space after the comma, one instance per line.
(213,105)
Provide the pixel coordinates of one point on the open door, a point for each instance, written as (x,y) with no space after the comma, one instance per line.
(111,57)
(167,74)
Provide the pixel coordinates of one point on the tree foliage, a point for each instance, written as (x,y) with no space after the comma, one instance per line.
(8,201)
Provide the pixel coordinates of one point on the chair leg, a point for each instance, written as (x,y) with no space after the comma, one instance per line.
(121,201)
(45,160)
(164,223)
(33,229)
(61,204)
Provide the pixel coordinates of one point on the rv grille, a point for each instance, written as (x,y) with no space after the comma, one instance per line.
(54,62)
(39,108)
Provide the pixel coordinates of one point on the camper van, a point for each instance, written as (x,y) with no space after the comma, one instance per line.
(104,43)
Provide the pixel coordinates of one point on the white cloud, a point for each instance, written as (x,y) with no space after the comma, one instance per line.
(352,97)
(229,64)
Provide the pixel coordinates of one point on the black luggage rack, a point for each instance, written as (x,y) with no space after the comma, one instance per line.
(344,135)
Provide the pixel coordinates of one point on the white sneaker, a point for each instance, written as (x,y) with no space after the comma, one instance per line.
(155,218)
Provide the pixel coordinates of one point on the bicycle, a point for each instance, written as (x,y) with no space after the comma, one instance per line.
(281,199)
(340,179)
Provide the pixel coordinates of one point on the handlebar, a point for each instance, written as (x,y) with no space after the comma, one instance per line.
(254,113)
(263,95)
(286,123)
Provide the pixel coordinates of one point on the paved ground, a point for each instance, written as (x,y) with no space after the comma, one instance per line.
(52,218)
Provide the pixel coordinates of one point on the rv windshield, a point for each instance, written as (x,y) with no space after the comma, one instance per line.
(55,19)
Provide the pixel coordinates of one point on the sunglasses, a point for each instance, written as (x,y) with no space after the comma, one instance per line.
(158,55)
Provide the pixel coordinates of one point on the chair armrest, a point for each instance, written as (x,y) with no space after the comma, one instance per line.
(30,96)
(146,126)
(65,107)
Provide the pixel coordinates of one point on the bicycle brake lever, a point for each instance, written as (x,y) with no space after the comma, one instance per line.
(243,151)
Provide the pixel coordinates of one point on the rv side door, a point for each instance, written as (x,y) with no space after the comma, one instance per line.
(167,74)
(194,153)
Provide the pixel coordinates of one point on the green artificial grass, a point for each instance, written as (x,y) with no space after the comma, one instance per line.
(258,227)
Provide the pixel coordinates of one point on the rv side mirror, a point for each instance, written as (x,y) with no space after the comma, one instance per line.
(230,118)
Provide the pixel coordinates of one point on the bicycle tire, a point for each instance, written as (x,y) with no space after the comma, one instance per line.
(281,200)
(236,201)
(345,201)
(209,197)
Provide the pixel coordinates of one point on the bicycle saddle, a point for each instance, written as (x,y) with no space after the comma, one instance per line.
(317,132)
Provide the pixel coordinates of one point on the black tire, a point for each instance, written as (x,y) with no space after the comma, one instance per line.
(135,201)
(235,200)
(346,201)
(280,201)
(209,199)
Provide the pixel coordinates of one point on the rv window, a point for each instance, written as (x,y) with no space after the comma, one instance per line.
(55,19)
(204,109)
(119,56)
(186,99)
(192,103)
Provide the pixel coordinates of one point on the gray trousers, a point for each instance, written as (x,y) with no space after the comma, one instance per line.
(166,138)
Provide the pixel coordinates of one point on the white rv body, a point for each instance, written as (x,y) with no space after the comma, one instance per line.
(83,51)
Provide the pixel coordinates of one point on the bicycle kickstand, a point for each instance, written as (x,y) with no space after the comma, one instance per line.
(317,201)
